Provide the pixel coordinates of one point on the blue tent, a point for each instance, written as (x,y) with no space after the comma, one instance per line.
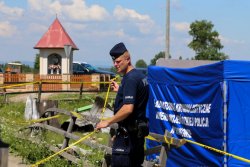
(206,104)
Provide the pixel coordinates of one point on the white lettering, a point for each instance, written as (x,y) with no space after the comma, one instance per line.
(183,108)
(188,121)
(181,132)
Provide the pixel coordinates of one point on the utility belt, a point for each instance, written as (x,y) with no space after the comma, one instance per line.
(138,128)
(123,143)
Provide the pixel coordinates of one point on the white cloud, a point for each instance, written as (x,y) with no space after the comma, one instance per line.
(75,9)
(225,40)
(182,26)
(175,4)
(143,22)
(36,27)
(6,29)
(10,12)
(75,26)
(120,33)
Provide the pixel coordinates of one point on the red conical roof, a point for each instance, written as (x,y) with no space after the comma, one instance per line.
(55,37)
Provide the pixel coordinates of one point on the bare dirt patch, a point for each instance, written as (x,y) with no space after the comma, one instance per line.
(15,161)
(23,97)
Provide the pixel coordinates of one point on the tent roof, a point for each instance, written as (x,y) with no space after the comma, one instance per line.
(217,72)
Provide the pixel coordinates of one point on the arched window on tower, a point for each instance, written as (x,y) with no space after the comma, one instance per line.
(54,64)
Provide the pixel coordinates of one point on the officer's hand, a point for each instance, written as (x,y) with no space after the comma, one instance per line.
(114,86)
(102,124)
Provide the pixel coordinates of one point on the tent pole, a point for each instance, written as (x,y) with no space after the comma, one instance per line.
(225,120)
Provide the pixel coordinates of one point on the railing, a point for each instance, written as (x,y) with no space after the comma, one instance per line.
(68,135)
(48,78)
(80,78)
(90,81)
(9,78)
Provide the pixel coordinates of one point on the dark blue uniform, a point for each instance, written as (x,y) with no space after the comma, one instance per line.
(132,90)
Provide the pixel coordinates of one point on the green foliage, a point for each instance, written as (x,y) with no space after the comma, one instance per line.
(206,42)
(12,116)
(37,63)
(113,69)
(141,64)
(26,69)
(157,56)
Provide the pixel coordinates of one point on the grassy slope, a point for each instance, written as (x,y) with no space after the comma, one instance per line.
(12,120)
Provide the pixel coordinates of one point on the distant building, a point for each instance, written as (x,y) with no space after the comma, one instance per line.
(174,63)
(52,50)
(13,68)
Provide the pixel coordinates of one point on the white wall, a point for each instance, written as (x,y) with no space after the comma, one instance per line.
(66,63)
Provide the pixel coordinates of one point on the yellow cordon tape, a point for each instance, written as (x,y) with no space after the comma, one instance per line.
(79,116)
(205,146)
(85,137)
(59,152)
(76,114)
(52,82)
(219,151)
(42,119)
(106,98)
(10,86)
(28,122)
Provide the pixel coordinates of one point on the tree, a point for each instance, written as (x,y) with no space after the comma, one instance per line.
(141,64)
(206,42)
(37,63)
(26,68)
(159,55)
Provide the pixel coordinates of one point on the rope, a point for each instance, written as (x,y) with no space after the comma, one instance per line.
(59,152)
(102,118)
(219,151)
(85,137)
(204,146)
(16,85)
(106,98)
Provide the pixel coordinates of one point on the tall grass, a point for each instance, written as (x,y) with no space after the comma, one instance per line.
(12,125)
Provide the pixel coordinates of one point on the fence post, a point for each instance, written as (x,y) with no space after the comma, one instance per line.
(80,96)
(39,91)
(1,78)
(164,149)
(95,79)
(66,78)
(30,78)
(3,89)
(69,130)
(43,105)
(4,152)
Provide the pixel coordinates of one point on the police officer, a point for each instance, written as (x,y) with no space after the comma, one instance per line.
(129,111)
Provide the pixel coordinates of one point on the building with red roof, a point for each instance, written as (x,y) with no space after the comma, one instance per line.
(56,50)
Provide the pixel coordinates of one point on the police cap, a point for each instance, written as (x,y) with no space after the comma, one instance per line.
(117,50)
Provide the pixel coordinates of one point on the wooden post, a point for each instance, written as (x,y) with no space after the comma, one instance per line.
(39,91)
(5,95)
(164,149)
(4,152)
(80,96)
(43,105)
(69,130)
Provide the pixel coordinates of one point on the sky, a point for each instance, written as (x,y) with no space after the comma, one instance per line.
(96,26)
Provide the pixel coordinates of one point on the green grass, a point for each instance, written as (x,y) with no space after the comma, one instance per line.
(12,125)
